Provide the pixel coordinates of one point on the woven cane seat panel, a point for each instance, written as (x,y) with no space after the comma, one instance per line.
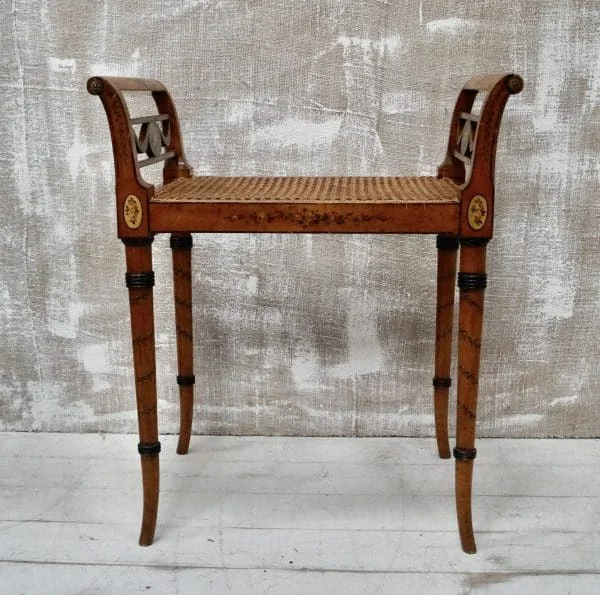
(309,190)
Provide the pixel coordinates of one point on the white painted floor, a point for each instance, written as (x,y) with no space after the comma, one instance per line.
(297,516)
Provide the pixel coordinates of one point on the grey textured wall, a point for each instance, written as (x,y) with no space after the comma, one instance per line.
(300,334)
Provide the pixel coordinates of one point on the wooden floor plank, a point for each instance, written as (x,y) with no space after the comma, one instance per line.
(321,549)
(196,474)
(245,514)
(404,511)
(298,449)
(46,579)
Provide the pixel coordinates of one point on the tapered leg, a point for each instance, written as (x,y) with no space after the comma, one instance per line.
(447,247)
(181,246)
(471,282)
(140,281)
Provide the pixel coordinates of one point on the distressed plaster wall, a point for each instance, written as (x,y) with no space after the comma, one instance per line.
(299,334)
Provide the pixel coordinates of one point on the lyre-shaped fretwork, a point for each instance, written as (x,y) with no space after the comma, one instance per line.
(152,137)
(465,139)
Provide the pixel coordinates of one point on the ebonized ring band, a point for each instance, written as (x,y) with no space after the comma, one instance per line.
(132,242)
(474,241)
(186,380)
(139,280)
(149,448)
(181,242)
(446,242)
(464,454)
(472,280)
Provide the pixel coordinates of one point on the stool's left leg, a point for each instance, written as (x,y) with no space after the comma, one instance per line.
(447,247)
(181,247)
(472,280)
(140,281)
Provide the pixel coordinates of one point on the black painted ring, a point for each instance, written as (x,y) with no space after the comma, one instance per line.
(181,242)
(474,241)
(186,380)
(464,454)
(472,280)
(147,241)
(139,279)
(149,448)
(440,382)
(446,242)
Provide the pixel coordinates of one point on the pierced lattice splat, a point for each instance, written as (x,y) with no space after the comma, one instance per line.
(465,138)
(152,138)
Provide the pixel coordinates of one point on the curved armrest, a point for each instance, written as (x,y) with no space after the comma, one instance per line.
(471,155)
(158,139)
(462,142)
(109,89)
(96,84)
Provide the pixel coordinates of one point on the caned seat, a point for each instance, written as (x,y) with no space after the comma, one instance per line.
(310,189)
(457,204)
(316,204)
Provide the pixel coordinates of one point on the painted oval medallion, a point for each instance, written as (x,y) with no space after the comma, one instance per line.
(132,211)
(478,211)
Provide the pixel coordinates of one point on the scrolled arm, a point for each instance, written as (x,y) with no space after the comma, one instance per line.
(159,138)
(471,156)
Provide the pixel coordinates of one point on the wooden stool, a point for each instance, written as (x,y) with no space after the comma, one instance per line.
(458,205)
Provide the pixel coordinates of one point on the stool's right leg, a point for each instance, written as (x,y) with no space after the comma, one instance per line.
(472,280)
(447,247)
(181,247)
(140,281)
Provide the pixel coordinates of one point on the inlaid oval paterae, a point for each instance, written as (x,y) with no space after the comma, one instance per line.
(477,212)
(132,211)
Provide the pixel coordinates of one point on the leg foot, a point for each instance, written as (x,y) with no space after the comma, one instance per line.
(150,480)
(464,478)
(471,282)
(186,408)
